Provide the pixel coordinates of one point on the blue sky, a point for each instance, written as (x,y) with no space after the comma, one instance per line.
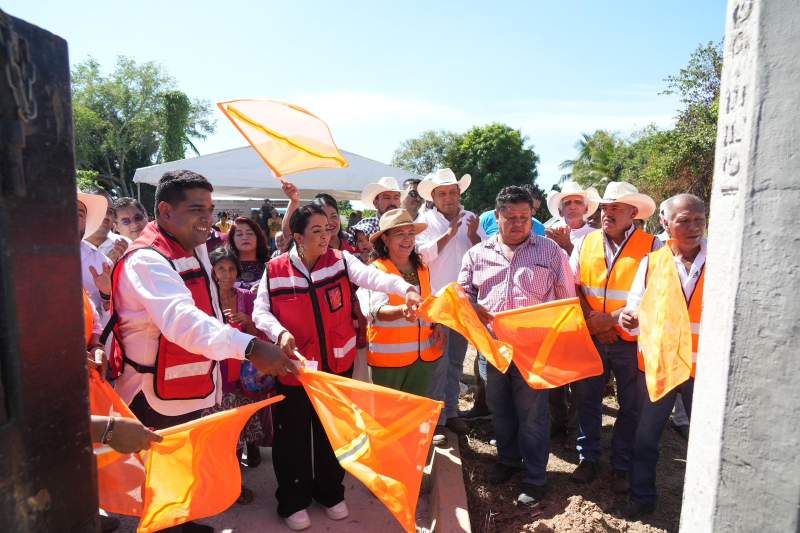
(380,72)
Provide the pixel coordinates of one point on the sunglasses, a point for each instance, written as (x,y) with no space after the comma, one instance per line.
(128,221)
(414,194)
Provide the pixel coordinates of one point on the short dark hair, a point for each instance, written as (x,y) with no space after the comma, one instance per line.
(512,194)
(323,198)
(223,253)
(411,181)
(299,221)
(262,249)
(125,201)
(173,185)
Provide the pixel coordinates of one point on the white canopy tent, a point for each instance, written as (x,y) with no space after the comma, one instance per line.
(241,174)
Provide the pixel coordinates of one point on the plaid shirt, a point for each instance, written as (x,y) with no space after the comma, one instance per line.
(538,272)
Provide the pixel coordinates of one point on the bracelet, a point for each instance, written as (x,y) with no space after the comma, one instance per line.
(106,438)
(104,296)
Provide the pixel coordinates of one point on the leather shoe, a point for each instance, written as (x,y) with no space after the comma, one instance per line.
(531,495)
(457,426)
(619,482)
(635,510)
(500,473)
(585,473)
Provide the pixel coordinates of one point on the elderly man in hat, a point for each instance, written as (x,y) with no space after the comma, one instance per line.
(95,266)
(450,233)
(574,205)
(605,264)
(684,217)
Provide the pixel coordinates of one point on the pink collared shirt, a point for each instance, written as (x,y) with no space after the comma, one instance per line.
(538,272)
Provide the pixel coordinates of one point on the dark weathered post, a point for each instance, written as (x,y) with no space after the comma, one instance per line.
(46,473)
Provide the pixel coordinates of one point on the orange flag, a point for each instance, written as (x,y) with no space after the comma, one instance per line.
(665,333)
(380,435)
(451,307)
(552,345)
(193,473)
(288,138)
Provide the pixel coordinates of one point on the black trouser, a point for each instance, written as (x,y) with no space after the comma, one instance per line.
(305,465)
(151,418)
(563,410)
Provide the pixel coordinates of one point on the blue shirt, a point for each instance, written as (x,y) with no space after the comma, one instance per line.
(488,222)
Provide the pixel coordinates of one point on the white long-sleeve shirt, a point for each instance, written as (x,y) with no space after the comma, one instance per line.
(445,265)
(152,300)
(360,274)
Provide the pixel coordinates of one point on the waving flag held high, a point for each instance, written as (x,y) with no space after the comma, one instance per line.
(288,138)
(552,345)
(451,307)
(380,435)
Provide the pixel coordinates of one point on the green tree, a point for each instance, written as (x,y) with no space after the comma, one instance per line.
(598,158)
(131,118)
(426,153)
(87,180)
(495,155)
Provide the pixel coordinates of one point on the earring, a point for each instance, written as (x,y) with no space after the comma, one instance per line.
(300,250)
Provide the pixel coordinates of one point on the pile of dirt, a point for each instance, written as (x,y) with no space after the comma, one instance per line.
(567,507)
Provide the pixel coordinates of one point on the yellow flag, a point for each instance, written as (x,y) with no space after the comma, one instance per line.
(380,435)
(665,333)
(288,138)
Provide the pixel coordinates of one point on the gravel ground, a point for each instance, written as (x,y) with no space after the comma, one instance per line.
(567,507)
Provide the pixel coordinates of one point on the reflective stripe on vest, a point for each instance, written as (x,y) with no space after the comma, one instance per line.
(608,291)
(399,343)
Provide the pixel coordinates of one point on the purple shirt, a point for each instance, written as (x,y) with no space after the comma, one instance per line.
(538,272)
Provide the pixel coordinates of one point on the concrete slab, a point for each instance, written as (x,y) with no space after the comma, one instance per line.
(448,497)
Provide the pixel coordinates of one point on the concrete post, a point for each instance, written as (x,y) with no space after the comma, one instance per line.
(743,471)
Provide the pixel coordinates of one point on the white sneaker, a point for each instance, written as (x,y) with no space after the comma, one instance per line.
(298,521)
(338,511)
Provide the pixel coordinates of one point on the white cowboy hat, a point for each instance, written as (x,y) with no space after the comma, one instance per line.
(385,184)
(443,176)
(570,188)
(395,218)
(96,207)
(625,193)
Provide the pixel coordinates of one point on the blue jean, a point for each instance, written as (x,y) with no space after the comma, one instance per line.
(653,418)
(521,418)
(619,358)
(446,379)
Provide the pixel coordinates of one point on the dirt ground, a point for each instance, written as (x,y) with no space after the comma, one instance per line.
(567,507)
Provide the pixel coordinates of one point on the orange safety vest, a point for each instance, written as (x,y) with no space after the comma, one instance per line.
(606,289)
(661,259)
(398,343)
(88,317)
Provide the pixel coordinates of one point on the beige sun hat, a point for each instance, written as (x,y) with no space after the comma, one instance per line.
(385,184)
(96,207)
(443,176)
(571,188)
(625,193)
(395,218)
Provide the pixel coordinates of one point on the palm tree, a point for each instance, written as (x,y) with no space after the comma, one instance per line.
(597,160)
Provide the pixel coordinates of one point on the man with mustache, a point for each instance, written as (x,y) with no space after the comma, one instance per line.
(605,263)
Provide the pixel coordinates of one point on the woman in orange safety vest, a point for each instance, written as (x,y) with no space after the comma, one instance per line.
(401,351)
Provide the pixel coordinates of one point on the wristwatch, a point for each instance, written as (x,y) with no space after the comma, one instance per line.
(249,349)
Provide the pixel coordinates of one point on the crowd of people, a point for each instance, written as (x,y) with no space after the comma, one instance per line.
(191,315)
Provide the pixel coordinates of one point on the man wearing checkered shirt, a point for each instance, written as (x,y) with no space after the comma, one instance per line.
(514,269)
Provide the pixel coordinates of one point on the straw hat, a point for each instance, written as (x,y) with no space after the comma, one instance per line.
(443,176)
(386,184)
(590,197)
(396,218)
(96,207)
(625,193)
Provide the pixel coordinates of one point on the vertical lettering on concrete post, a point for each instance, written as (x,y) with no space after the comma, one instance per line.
(743,472)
